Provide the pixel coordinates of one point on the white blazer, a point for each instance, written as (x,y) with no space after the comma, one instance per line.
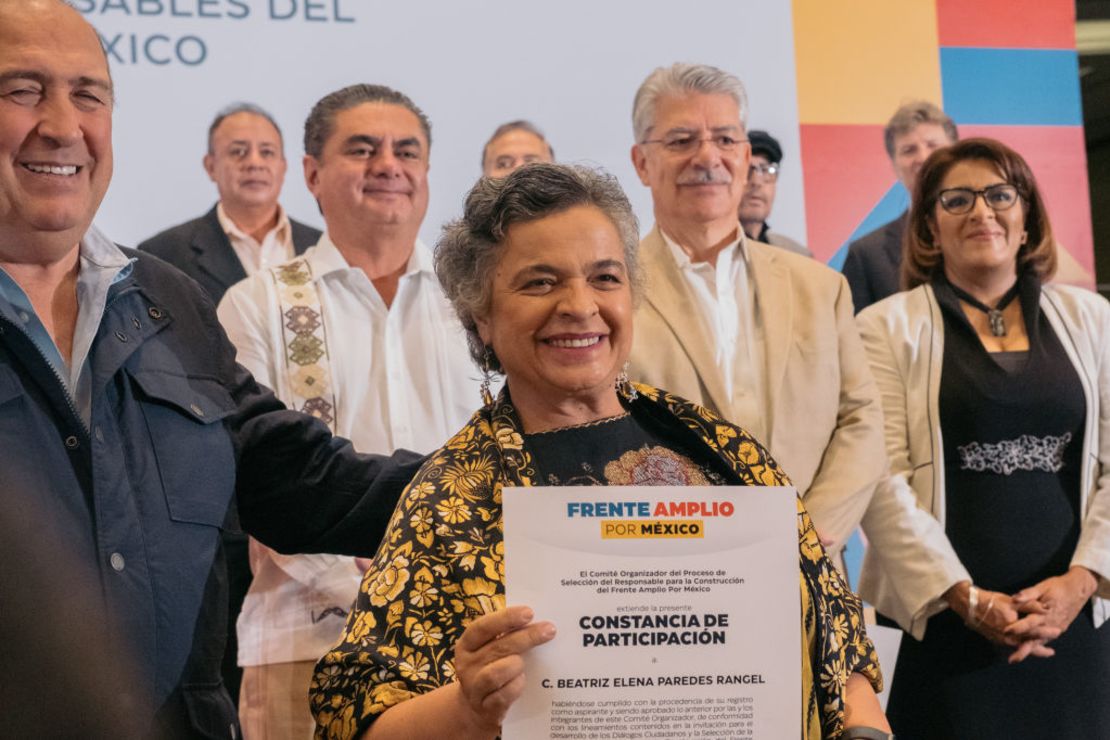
(910,562)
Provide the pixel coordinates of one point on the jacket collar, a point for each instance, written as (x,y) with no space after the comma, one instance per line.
(325,258)
(283,229)
(214,254)
(774,295)
(672,298)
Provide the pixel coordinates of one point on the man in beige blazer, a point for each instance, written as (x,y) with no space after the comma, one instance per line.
(763,337)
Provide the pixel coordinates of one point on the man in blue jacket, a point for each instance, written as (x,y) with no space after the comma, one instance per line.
(129,431)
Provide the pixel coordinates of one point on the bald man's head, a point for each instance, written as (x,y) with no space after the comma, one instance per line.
(55,128)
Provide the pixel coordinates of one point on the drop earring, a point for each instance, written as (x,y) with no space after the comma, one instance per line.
(487,376)
(624,385)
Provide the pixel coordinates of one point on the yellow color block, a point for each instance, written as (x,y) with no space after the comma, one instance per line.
(858,60)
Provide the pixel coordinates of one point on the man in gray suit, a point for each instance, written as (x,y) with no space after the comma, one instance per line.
(247,230)
(763,336)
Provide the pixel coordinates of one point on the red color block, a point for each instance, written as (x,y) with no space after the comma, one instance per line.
(847,172)
(1058,157)
(1011,24)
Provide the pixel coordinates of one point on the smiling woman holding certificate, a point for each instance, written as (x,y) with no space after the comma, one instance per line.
(542,270)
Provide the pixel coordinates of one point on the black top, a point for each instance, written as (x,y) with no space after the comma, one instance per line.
(1012,454)
(619,451)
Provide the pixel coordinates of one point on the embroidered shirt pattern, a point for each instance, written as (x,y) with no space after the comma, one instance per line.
(1024,453)
(654,466)
(306,342)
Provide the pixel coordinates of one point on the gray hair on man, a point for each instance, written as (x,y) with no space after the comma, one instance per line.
(321,120)
(911,115)
(520,125)
(682,78)
(469,248)
(242,107)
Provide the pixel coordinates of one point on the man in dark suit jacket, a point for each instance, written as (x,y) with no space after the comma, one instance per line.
(874,262)
(248,229)
(202,250)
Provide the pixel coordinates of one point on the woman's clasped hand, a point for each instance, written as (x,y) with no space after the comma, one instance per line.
(1048,609)
(489,662)
(1028,620)
(995,615)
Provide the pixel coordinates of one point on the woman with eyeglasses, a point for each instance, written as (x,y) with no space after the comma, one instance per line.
(990,542)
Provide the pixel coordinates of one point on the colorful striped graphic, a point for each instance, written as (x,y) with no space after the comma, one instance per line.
(1002,69)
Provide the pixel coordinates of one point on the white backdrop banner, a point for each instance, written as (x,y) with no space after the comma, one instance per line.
(570,67)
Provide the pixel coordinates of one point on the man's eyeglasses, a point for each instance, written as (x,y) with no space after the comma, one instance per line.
(959,201)
(687,144)
(769,171)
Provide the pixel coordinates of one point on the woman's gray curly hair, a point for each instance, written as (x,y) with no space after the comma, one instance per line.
(469,248)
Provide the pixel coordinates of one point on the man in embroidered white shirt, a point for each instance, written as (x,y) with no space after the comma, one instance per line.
(358,333)
(247,230)
(762,336)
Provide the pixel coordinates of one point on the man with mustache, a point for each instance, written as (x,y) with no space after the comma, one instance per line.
(357,332)
(247,230)
(760,335)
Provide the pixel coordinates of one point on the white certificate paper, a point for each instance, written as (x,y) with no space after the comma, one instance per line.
(677,610)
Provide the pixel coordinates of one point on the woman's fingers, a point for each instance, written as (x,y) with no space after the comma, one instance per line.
(500,659)
(485,685)
(1059,598)
(994,612)
(1033,627)
(1021,652)
(1031,647)
(1031,594)
(499,700)
(1030,607)
(495,679)
(489,661)
(486,628)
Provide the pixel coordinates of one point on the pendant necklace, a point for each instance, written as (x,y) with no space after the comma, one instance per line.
(994,315)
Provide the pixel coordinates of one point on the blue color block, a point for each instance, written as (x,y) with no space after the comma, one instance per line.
(836,262)
(1017,87)
(853,558)
(889,208)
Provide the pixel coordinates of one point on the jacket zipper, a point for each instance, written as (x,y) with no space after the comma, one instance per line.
(58,378)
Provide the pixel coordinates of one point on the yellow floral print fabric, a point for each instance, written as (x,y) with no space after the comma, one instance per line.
(441,565)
